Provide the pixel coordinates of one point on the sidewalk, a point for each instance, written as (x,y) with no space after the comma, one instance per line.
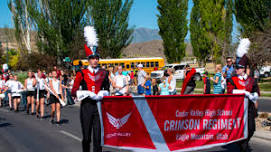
(266,135)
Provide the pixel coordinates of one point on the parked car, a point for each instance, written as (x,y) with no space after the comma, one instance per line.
(179,71)
(265,71)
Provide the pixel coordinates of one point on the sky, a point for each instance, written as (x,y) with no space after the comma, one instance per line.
(143,14)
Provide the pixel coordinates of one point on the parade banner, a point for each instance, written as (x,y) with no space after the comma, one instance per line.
(173,123)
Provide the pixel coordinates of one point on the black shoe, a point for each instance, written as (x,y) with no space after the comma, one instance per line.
(58,124)
(10,109)
(17,110)
(38,116)
(32,113)
(27,112)
(52,121)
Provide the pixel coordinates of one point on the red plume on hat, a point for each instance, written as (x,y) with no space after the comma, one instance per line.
(92,41)
(88,50)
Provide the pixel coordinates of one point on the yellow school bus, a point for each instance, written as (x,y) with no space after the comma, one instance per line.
(149,64)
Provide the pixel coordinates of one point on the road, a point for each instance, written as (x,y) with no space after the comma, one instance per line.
(25,133)
(265,105)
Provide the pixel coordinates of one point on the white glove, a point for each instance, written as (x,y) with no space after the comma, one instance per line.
(82,94)
(251,96)
(101,94)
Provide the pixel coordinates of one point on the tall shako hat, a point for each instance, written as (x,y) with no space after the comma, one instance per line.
(241,54)
(92,42)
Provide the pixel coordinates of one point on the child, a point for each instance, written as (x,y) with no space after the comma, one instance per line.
(148,85)
(207,85)
(163,87)
(154,87)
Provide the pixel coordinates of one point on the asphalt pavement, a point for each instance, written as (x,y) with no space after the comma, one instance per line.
(264,105)
(20,132)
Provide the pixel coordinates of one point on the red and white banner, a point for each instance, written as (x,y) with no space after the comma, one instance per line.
(173,123)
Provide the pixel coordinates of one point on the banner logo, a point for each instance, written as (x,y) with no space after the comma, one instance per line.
(118,122)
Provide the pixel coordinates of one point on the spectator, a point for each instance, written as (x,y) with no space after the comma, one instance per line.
(70,100)
(132,76)
(155,90)
(2,83)
(227,72)
(115,70)
(58,72)
(148,85)
(164,87)
(171,81)
(120,83)
(189,83)
(111,76)
(206,82)
(217,80)
(141,79)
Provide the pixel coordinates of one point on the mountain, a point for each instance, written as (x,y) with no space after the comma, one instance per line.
(145,49)
(145,35)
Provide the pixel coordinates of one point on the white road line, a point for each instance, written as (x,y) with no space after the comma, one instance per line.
(70,135)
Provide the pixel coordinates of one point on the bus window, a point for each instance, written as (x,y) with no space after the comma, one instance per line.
(143,63)
(152,64)
(116,64)
(127,66)
(122,64)
(132,65)
(156,64)
(147,64)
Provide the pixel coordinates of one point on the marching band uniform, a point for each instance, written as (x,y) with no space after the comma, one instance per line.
(250,87)
(248,84)
(93,80)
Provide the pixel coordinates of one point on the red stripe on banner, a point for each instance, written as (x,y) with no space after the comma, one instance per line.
(123,125)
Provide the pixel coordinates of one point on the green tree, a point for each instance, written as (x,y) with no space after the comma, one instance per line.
(173,28)
(199,40)
(252,15)
(58,23)
(212,14)
(110,19)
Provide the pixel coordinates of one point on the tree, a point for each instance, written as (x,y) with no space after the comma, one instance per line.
(212,14)
(58,23)
(254,18)
(252,15)
(173,28)
(22,22)
(110,19)
(199,40)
